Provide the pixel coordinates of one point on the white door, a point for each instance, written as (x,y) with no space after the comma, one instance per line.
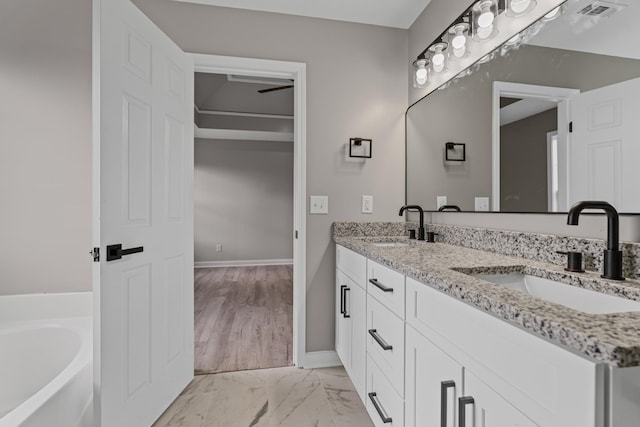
(605,146)
(143,172)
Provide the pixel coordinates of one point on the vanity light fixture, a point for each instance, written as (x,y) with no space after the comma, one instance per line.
(360,147)
(421,73)
(438,57)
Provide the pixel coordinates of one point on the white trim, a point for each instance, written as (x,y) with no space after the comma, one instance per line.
(242,263)
(518,90)
(298,72)
(263,81)
(242,114)
(320,359)
(242,135)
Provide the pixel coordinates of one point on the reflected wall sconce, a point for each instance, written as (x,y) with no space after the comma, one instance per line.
(455,152)
(360,147)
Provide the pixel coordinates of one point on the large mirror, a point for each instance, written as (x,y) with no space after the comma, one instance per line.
(552,122)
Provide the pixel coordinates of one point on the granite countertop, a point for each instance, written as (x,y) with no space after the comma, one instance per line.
(610,338)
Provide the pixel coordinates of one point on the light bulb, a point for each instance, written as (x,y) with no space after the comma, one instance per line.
(519,6)
(421,72)
(485,33)
(485,20)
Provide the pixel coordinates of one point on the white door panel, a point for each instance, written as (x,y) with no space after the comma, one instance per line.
(143,132)
(604,148)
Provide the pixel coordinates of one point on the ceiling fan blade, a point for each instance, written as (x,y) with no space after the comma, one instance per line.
(273,89)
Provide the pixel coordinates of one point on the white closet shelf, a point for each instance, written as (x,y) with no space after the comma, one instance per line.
(245,135)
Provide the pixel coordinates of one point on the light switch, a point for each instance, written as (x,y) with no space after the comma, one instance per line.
(367,204)
(319,205)
(482,204)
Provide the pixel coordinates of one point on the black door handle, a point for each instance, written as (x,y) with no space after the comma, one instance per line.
(342,288)
(383,416)
(462,409)
(115,252)
(380,285)
(379,340)
(345,314)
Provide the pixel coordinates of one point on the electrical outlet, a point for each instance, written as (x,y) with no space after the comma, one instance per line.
(441,201)
(367,204)
(482,204)
(218,247)
(319,205)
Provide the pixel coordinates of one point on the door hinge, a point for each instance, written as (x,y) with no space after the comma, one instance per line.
(296,234)
(95,253)
(570,127)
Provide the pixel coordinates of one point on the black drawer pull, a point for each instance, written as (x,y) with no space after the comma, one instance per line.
(379,340)
(345,315)
(379,409)
(380,286)
(342,287)
(444,385)
(462,406)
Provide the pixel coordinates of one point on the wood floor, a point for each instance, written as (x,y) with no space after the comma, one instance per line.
(243,318)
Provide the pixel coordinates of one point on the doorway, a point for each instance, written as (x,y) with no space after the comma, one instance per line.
(274,74)
(243,222)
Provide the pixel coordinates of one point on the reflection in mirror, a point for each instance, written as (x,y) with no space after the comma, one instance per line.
(549,123)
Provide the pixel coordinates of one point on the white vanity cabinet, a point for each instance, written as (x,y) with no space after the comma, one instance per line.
(351,314)
(505,367)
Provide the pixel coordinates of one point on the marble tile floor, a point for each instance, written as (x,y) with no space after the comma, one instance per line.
(277,397)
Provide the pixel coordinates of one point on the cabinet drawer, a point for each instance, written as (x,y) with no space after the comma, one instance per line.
(388,404)
(387,286)
(352,264)
(549,384)
(385,342)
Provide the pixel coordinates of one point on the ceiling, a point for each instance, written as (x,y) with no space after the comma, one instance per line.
(615,35)
(387,13)
(217,92)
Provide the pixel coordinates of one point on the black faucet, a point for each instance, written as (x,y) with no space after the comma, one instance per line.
(612,255)
(454,208)
(419,209)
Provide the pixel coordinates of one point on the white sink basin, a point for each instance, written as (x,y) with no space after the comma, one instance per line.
(580,299)
(390,244)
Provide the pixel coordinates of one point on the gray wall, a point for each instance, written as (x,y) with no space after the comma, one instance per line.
(45,145)
(356,86)
(243,200)
(462,113)
(523,163)
(437,15)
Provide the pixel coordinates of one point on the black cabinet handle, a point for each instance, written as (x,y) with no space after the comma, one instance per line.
(379,285)
(345,315)
(115,252)
(379,340)
(444,386)
(342,287)
(379,408)
(462,406)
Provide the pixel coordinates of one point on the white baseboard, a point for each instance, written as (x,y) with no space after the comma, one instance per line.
(320,359)
(242,263)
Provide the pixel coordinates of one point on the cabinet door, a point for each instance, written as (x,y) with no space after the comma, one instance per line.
(486,408)
(343,323)
(357,309)
(433,384)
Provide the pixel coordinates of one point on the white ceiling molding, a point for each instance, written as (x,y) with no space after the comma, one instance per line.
(396,13)
(524,108)
(242,114)
(242,135)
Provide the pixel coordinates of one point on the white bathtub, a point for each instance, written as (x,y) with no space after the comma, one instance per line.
(46,372)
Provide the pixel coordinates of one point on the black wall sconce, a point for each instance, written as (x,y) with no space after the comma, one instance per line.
(360,147)
(455,152)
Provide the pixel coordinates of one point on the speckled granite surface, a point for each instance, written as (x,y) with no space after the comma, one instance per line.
(610,338)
